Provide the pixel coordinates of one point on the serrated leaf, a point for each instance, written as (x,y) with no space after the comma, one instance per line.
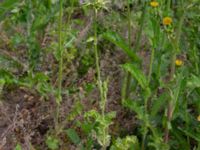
(72,134)
(116,39)
(137,74)
(134,106)
(191,134)
(193,82)
(158,104)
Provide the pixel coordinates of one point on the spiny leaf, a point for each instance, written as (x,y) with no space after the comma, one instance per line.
(137,74)
(191,134)
(158,104)
(134,106)
(116,39)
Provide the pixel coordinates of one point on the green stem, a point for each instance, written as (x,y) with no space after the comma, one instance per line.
(101,85)
(97,56)
(168,6)
(60,73)
(151,64)
(129,24)
(124,87)
(145,121)
(196,60)
(172,68)
(144,138)
(142,20)
(29,24)
(170,105)
(127,79)
(187,119)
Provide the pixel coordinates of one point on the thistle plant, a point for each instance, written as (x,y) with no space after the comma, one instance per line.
(127,80)
(60,73)
(174,40)
(102,134)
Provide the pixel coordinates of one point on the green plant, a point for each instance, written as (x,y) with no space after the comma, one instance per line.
(100,124)
(49,48)
(102,119)
(52,143)
(129,142)
(18,147)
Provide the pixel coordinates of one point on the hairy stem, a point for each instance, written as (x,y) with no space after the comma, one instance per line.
(97,56)
(102,87)
(60,73)
(127,79)
(142,20)
(151,64)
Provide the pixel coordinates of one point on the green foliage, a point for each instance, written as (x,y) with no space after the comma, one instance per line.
(100,125)
(18,147)
(6,6)
(39,51)
(127,143)
(137,74)
(52,143)
(121,43)
(71,133)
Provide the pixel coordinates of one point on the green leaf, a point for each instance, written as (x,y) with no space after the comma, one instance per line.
(71,133)
(191,134)
(7,5)
(159,103)
(193,82)
(116,39)
(9,63)
(134,106)
(180,138)
(52,143)
(181,83)
(137,74)
(129,142)
(18,147)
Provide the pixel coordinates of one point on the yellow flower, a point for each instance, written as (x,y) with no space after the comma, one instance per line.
(198,118)
(167,20)
(178,62)
(154,4)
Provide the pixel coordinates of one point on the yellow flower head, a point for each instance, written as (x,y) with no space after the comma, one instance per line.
(178,62)
(167,20)
(154,4)
(198,118)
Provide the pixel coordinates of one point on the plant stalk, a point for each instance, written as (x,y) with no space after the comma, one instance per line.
(151,64)
(101,85)
(127,79)
(60,73)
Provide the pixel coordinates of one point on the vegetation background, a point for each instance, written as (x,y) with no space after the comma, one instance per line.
(100,74)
